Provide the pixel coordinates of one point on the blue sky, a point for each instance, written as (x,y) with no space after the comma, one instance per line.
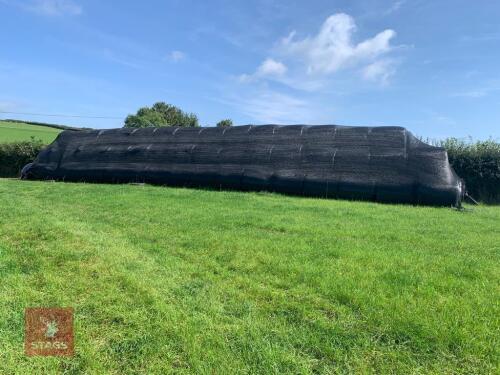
(431,66)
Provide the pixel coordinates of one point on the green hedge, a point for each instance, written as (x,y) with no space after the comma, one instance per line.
(14,156)
(478,163)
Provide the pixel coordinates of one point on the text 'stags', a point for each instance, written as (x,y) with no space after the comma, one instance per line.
(49,331)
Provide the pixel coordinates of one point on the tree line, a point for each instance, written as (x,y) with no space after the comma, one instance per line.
(163,114)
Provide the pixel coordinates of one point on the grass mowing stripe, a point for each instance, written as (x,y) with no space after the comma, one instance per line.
(195,281)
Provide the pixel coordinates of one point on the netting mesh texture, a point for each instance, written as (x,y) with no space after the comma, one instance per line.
(384,164)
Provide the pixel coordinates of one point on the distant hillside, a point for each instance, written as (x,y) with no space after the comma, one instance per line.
(13,131)
(55,126)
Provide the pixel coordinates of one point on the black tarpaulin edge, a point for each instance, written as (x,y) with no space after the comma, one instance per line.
(383,164)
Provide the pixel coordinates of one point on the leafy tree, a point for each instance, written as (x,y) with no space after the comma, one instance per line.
(224,123)
(161,114)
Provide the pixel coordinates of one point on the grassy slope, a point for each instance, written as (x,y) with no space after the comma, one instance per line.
(18,131)
(190,281)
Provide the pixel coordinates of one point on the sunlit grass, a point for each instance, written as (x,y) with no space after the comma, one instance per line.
(19,131)
(192,281)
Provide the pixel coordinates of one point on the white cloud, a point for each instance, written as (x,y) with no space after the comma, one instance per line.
(266,106)
(269,68)
(380,71)
(176,56)
(54,7)
(472,94)
(332,48)
(112,56)
(275,108)
(309,63)
(487,37)
(395,7)
(486,89)
(317,67)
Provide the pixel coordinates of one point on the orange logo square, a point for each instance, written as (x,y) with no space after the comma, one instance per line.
(49,331)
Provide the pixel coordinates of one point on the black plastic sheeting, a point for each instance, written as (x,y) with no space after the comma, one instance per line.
(383,164)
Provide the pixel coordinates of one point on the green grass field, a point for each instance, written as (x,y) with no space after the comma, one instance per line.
(167,280)
(19,131)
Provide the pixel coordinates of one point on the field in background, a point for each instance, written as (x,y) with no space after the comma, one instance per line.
(190,281)
(19,131)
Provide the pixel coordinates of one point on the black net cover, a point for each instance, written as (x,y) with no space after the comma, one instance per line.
(383,164)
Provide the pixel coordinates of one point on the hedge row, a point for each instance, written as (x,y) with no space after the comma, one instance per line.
(478,163)
(14,156)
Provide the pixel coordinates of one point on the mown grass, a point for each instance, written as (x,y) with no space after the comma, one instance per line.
(18,131)
(167,280)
